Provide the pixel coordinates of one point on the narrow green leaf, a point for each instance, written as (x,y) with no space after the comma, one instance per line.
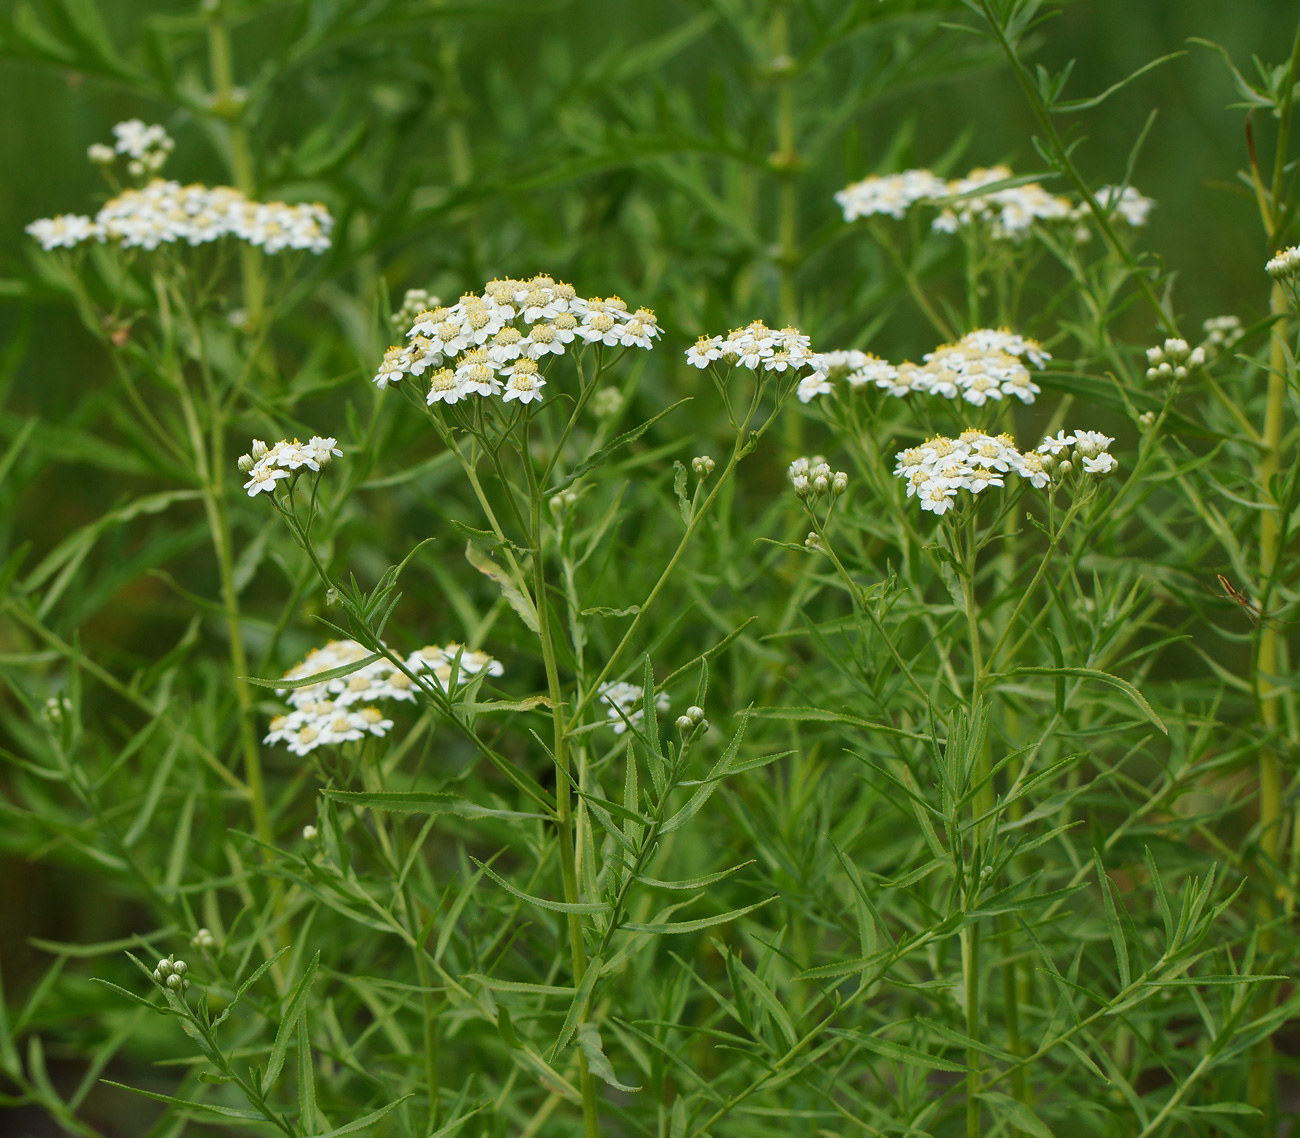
(541,902)
(422,802)
(297,1001)
(597,1062)
(363,1123)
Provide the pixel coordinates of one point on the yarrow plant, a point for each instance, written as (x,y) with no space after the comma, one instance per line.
(587,738)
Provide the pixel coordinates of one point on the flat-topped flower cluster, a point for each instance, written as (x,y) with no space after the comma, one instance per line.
(760,348)
(164,213)
(983,365)
(330,712)
(500,339)
(940,467)
(1007,213)
(266,466)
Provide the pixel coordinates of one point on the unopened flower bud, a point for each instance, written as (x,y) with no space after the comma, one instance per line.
(135,168)
(1180,372)
(1197,358)
(556,504)
(1065,467)
(174,982)
(800,482)
(1152,373)
(695,713)
(165,967)
(100,154)
(203,939)
(1155,356)
(840,482)
(258,450)
(180,968)
(685,724)
(245,463)
(821,484)
(1165,370)
(309,833)
(1147,419)
(157,976)
(702,465)
(1176,350)
(812,541)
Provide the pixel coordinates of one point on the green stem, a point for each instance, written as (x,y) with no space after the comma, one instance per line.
(981,805)
(564,828)
(210,471)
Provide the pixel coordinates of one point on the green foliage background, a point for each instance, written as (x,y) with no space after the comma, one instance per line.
(626,147)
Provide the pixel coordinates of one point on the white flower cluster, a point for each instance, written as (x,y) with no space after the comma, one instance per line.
(164,213)
(892,194)
(983,365)
(1132,207)
(760,348)
(330,711)
(624,704)
(937,469)
(265,466)
(442,662)
(147,148)
(1173,359)
(1221,332)
(1008,212)
(506,333)
(1285,264)
(415,301)
(813,477)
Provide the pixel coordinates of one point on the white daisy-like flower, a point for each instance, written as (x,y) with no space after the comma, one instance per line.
(443,387)
(1101,464)
(704,351)
(1054,446)
(263,478)
(525,383)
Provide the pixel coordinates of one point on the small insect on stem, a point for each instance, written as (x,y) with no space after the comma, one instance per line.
(1251,609)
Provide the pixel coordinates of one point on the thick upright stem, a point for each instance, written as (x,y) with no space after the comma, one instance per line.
(239,157)
(1267,691)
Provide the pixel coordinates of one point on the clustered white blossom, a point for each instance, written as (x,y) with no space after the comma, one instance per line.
(940,467)
(983,365)
(813,477)
(266,466)
(146,147)
(1221,332)
(415,301)
(500,339)
(330,712)
(760,348)
(1132,207)
(1173,359)
(624,703)
(1284,264)
(1008,213)
(165,212)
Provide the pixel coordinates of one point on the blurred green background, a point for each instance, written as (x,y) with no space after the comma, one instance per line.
(490,139)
